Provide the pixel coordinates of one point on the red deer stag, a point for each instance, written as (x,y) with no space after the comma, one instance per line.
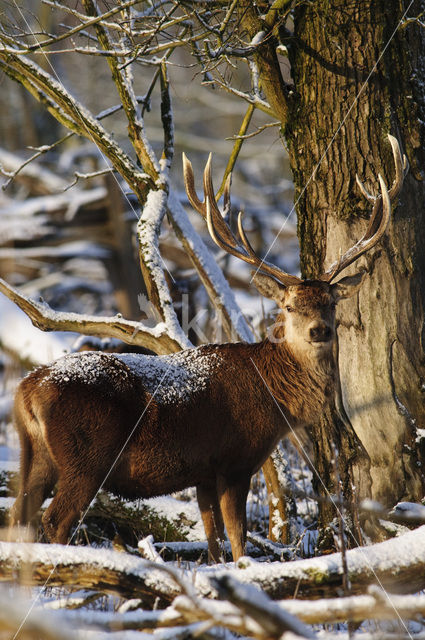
(209,417)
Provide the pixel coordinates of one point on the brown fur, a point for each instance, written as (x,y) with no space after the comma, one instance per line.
(74,427)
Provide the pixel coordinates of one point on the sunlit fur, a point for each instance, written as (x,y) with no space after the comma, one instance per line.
(300,372)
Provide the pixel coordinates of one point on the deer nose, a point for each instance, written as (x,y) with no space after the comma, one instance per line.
(320,332)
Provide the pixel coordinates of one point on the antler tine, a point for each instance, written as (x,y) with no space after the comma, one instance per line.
(226,196)
(218,228)
(380,217)
(246,243)
(401,167)
(221,224)
(212,216)
(369,239)
(200,207)
(364,191)
(286,278)
(248,255)
(189,183)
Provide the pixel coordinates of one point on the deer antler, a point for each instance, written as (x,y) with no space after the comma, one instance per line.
(380,217)
(218,228)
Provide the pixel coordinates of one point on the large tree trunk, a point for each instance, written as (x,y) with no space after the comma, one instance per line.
(343,109)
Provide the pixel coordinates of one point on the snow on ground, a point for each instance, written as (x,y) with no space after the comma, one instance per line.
(179,511)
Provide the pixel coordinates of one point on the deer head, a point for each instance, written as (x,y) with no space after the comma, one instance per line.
(307,318)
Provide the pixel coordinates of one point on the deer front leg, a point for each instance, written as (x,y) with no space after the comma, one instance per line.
(232,496)
(212,519)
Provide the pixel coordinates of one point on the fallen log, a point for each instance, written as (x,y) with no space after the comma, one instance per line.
(398,565)
(377,604)
(101,569)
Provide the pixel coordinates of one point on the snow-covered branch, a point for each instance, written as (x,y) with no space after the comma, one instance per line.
(377,604)
(103,569)
(129,331)
(148,229)
(241,608)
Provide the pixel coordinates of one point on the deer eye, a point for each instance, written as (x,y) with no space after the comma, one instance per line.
(289,309)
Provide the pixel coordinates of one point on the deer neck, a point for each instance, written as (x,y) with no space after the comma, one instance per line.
(301,384)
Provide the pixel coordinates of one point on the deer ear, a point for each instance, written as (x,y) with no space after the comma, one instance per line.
(347,286)
(268,286)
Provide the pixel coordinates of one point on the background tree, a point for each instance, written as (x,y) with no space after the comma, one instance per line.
(357,70)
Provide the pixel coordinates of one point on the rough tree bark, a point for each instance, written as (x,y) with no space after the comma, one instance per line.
(357,78)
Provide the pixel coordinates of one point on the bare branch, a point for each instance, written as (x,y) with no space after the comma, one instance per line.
(87,176)
(91,22)
(73,115)
(236,148)
(167,120)
(131,332)
(40,179)
(123,83)
(255,133)
(260,104)
(272,82)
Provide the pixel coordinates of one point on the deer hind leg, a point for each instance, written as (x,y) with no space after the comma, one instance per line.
(232,496)
(72,499)
(37,478)
(212,519)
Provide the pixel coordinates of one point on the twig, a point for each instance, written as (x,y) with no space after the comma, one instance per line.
(253,100)
(255,133)
(91,22)
(88,176)
(123,83)
(236,148)
(73,115)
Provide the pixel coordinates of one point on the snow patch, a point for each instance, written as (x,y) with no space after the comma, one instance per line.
(409,509)
(18,335)
(175,511)
(91,368)
(174,377)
